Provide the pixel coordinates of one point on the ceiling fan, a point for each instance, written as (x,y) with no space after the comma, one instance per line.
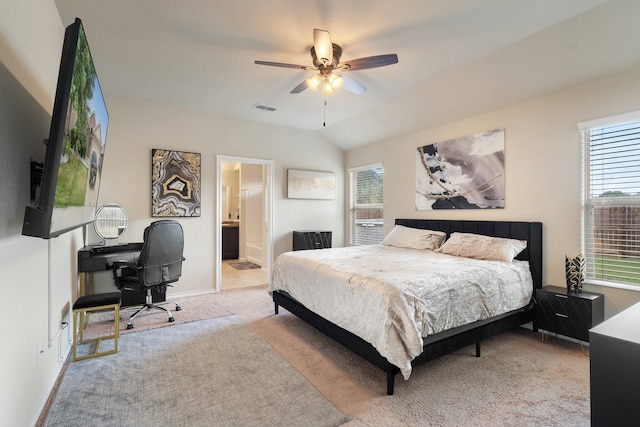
(326,60)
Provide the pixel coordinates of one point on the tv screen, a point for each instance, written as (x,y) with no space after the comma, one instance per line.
(72,170)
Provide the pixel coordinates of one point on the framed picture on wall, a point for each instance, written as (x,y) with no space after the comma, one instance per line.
(303,184)
(462,173)
(175,183)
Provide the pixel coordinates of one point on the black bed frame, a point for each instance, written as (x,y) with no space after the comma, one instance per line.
(446,342)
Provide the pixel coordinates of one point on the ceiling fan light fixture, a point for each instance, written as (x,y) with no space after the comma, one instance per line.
(335,80)
(327,89)
(329,82)
(314,82)
(323,46)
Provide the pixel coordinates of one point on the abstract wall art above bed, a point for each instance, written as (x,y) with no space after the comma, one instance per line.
(462,173)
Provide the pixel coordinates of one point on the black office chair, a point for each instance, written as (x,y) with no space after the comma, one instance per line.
(159,264)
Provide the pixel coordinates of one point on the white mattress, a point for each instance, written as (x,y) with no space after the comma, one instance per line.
(393,297)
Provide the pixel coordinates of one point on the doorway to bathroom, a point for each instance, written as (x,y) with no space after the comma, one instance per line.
(243,221)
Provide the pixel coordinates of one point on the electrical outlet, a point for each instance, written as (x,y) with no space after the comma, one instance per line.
(40,351)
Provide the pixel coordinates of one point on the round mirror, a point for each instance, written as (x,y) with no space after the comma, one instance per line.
(111,221)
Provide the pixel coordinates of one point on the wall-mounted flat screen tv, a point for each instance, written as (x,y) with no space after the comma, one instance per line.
(65,194)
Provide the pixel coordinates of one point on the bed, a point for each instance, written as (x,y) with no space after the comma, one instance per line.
(419,332)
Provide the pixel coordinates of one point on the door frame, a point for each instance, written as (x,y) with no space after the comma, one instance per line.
(268,211)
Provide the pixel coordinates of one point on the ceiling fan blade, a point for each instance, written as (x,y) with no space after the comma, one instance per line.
(369,62)
(352,85)
(302,86)
(281,64)
(323,45)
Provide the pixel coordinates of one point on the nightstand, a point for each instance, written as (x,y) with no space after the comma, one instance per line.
(311,239)
(568,314)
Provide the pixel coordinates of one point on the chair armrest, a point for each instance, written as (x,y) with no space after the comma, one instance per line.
(117,265)
(123,268)
(125,274)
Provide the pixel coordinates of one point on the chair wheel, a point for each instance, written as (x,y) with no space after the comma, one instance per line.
(129,326)
(178,308)
(171,319)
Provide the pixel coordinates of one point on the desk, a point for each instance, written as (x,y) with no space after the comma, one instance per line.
(94,268)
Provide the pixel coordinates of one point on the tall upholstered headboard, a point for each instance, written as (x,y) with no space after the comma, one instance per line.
(529,231)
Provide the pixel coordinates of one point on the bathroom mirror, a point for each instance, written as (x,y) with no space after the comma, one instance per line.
(226,206)
(111,221)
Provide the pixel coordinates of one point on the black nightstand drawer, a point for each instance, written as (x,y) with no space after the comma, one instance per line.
(568,314)
(311,240)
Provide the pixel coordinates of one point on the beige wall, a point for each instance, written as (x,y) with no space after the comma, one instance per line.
(137,127)
(543,168)
(29,267)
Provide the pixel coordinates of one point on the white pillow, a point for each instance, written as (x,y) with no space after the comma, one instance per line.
(414,238)
(482,247)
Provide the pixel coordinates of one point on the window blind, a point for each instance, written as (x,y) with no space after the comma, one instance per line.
(611,223)
(366,205)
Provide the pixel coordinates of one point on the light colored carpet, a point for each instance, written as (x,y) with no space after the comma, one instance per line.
(210,372)
(518,381)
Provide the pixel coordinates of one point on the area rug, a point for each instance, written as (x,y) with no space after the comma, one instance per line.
(244,265)
(194,307)
(203,373)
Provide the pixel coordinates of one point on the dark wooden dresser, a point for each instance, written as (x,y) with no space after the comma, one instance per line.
(615,370)
(311,239)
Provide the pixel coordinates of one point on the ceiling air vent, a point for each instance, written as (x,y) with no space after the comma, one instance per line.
(264,107)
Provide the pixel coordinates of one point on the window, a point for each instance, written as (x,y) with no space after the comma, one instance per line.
(366,205)
(611,201)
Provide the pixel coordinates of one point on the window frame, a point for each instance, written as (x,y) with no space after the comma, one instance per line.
(590,202)
(352,197)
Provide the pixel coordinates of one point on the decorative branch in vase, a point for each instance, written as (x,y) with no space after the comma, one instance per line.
(574,270)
